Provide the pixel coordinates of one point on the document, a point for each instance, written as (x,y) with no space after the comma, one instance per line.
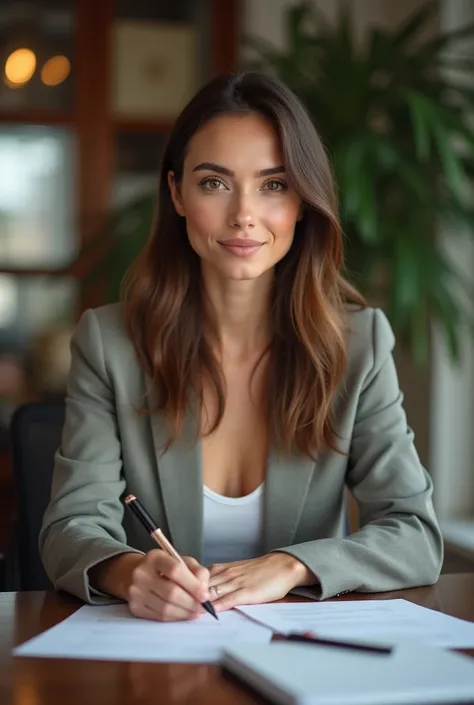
(112,633)
(375,621)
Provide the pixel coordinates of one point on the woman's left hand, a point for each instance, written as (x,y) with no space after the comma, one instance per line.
(257,580)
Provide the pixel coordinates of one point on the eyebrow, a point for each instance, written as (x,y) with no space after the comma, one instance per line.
(209,166)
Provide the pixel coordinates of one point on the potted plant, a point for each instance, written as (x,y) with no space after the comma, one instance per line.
(400,139)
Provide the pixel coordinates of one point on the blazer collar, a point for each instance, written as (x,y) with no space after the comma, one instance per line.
(180,474)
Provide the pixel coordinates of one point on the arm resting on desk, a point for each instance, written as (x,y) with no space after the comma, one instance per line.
(399,544)
(82,525)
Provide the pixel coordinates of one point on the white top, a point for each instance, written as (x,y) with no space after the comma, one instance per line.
(232,526)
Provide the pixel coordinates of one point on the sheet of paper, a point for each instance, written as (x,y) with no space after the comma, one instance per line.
(112,633)
(376,621)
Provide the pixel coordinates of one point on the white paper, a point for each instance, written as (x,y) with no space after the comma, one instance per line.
(375,621)
(112,633)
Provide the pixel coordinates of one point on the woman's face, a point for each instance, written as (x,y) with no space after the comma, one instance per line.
(239,206)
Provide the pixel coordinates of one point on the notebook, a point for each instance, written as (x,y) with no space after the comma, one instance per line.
(300,674)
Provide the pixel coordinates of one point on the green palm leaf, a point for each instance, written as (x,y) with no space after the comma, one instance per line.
(402,143)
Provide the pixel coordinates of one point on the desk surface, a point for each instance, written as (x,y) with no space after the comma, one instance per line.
(56,682)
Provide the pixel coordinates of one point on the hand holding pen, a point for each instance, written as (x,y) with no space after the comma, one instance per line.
(166,586)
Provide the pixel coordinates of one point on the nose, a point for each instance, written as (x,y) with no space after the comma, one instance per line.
(242,216)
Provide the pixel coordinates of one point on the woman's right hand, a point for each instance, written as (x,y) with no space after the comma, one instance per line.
(163,589)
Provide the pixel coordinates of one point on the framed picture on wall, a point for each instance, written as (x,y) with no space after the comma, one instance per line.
(154,68)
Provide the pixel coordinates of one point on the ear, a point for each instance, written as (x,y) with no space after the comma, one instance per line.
(175,194)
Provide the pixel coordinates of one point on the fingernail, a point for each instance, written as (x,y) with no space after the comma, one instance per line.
(205,596)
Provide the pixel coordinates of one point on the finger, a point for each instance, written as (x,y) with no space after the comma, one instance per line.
(217,568)
(180,574)
(168,611)
(218,591)
(237,597)
(148,579)
(151,606)
(225,577)
(166,590)
(201,573)
(170,591)
(139,610)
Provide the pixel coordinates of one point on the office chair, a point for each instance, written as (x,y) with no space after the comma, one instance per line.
(35,431)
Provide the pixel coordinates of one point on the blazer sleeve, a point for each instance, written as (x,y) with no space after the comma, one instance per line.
(399,544)
(82,525)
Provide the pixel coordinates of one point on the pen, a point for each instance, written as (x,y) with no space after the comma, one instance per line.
(312,638)
(158,536)
(309,637)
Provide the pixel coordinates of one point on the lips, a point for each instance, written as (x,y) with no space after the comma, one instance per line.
(241,242)
(241,247)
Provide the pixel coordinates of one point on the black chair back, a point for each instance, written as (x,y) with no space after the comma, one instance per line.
(36,430)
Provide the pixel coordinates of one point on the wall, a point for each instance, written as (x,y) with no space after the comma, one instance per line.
(265,18)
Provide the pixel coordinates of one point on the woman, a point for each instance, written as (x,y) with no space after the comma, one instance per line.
(238,388)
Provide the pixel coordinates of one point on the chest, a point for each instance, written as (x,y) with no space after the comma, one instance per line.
(234,455)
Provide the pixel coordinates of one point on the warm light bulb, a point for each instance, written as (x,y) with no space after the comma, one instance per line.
(55,70)
(20,67)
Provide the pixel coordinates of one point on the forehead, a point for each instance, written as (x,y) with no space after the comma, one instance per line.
(236,141)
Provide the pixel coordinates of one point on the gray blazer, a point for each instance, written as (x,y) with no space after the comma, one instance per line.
(108,449)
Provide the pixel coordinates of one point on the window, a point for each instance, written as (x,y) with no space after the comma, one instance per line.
(38,225)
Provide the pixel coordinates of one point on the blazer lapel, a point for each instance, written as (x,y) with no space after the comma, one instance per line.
(286,486)
(180,475)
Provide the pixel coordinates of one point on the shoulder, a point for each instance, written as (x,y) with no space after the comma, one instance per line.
(370,339)
(103,329)
(101,342)
(104,321)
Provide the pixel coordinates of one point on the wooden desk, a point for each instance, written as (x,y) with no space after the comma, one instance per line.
(68,682)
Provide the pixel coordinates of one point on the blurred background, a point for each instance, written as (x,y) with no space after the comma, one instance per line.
(88,94)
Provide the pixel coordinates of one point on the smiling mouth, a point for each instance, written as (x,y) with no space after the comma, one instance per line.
(241,248)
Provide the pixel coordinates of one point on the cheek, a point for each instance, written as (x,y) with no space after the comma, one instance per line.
(204,218)
(281,220)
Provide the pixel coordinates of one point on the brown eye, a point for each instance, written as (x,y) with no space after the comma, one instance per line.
(212,184)
(274,185)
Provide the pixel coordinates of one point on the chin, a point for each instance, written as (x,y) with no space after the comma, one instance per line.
(244,273)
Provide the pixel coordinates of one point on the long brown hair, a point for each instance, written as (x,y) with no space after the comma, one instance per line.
(164,306)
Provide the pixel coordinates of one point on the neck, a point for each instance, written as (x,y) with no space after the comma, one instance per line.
(241,313)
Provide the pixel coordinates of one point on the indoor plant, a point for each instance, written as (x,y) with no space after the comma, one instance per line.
(402,147)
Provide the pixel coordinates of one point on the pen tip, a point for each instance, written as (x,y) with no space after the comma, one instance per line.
(209,608)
